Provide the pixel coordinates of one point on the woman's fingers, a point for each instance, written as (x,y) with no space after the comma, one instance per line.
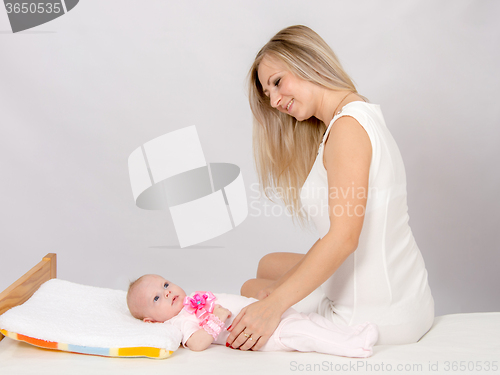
(239,341)
(257,321)
(239,336)
(235,328)
(250,342)
(245,341)
(260,342)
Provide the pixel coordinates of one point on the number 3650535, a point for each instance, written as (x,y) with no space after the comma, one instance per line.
(33,8)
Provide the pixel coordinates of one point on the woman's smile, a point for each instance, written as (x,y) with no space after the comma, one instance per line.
(282,88)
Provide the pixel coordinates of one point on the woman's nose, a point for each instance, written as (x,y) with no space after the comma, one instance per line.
(275,100)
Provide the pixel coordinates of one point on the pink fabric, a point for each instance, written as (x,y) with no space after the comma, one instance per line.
(314,333)
(296,331)
(201,303)
(213,325)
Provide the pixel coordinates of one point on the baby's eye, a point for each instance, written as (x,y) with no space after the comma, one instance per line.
(156,298)
(165,285)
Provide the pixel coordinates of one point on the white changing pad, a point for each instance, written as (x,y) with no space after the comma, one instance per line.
(455,341)
(86,319)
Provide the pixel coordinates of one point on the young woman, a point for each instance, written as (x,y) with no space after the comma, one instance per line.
(353,188)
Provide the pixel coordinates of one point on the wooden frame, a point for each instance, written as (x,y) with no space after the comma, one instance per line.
(21,290)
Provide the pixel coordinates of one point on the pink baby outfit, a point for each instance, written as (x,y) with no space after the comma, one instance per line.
(296,331)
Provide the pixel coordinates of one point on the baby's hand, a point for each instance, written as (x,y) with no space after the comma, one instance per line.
(222,313)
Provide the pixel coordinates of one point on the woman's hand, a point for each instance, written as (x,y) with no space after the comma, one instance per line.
(254,325)
(265,292)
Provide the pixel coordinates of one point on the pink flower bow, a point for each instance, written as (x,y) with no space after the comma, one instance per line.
(201,304)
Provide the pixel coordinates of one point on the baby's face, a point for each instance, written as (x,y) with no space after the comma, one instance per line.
(158,299)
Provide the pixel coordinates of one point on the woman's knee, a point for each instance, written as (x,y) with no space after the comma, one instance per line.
(250,288)
(274,265)
(245,287)
(267,266)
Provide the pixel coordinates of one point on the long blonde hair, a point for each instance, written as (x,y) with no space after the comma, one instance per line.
(284,148)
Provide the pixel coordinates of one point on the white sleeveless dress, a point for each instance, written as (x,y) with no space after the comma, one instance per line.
(384,281)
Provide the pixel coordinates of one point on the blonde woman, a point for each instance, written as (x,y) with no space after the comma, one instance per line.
(328,154)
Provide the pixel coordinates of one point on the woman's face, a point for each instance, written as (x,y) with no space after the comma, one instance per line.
(288,93)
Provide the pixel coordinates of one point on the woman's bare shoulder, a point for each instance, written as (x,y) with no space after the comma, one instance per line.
(347,138)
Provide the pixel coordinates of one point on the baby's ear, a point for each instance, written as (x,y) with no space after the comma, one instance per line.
(148,320)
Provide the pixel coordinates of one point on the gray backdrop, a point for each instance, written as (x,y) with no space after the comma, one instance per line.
(79,94)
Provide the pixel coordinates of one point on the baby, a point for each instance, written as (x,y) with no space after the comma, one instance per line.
(202,319)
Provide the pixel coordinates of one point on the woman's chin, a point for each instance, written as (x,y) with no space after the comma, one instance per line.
(301,118)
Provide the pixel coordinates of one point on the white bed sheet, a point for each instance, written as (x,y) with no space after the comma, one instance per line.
(455,341)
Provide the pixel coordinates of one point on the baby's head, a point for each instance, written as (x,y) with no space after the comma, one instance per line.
(151,298)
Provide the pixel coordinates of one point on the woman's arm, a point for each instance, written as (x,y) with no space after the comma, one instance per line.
(291,271)
(347,157)
(347,160)
(265,292)
(201,339)
(268,289)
